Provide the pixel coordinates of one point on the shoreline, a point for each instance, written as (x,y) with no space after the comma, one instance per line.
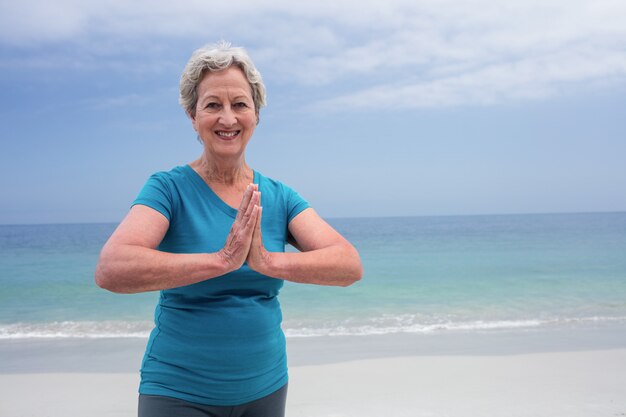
(573,372)
(124,355)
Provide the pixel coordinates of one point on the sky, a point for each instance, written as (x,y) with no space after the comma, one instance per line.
(394,108)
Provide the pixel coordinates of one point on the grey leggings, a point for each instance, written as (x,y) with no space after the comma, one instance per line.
(272,405)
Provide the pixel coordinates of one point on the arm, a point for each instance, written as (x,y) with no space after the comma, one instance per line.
(327,258)
(130,262)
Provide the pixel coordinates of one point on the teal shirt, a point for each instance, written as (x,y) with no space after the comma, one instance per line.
(219,341)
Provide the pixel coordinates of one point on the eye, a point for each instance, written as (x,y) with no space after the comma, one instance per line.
(212,105)
(240,105)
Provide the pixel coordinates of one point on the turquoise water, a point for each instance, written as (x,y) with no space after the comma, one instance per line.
(422,275)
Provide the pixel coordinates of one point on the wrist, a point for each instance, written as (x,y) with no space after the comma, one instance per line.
(264,262)
(225,262)
(274,264)
(269,259)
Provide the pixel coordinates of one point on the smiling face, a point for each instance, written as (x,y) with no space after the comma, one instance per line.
(225,115)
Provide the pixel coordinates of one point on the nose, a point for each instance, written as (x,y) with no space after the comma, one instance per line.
(227,116)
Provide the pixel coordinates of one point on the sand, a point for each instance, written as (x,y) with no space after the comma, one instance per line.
(390,381)
(548,384)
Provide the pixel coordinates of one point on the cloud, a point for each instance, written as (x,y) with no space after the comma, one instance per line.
(366,54)
(29,22)
(533,77)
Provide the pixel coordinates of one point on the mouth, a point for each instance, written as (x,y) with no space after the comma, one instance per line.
(227,135)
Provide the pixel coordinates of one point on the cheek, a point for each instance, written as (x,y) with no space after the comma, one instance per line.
(250,128)
(252,121)
(200,122)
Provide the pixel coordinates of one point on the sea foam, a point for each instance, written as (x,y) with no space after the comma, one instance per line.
(380,326)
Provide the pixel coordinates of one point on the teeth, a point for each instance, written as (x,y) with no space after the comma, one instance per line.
(228,134)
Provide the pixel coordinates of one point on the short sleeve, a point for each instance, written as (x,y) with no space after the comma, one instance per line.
(294,202)
(156,194)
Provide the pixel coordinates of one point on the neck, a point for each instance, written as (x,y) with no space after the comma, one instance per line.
(222,172)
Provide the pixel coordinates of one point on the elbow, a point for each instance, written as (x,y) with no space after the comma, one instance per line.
(354,272)
(105,276)
(350,279)
(355,275)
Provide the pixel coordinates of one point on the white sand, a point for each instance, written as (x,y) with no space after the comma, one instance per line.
(586,383)
(547,384)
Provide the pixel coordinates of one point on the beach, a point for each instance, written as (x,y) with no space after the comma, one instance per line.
(588,383)
(503,315)
(491,374)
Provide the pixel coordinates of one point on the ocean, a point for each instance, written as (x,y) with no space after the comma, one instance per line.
(425,275)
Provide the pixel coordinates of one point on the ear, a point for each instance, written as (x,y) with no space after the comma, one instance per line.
(192,117)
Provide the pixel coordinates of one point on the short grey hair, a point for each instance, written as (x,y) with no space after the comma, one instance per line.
(218,57)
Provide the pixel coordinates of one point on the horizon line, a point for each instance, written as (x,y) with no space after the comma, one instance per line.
(361,217)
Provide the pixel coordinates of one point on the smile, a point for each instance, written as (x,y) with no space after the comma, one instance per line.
(227,134)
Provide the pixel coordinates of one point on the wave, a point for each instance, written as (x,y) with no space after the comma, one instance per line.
(368,330)
(449,326)
(76,329)
(375,326)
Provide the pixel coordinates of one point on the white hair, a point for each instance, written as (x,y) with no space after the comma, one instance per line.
(218,57)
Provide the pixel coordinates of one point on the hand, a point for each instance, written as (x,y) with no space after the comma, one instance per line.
(239,239)
(259,259)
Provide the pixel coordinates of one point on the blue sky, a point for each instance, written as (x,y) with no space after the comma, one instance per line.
(374,108)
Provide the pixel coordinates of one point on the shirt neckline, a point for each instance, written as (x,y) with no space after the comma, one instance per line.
(201,183)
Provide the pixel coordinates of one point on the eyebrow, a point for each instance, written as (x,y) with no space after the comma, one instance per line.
(214,97)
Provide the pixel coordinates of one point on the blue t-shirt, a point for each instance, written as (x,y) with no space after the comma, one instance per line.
(219,341)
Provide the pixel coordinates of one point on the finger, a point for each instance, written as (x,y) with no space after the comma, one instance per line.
(249,229)
(256,246)
(243,218)
(254,201)
(256,215)
(239,239)
(245,201)
(248,215)
(245,212)
(258,221)
(256,239)
(247,196)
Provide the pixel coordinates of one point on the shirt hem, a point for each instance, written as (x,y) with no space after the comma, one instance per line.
(147,390)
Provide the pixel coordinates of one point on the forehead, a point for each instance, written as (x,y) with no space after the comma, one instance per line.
(231,81)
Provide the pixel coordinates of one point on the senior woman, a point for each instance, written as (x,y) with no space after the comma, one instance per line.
(210,235)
